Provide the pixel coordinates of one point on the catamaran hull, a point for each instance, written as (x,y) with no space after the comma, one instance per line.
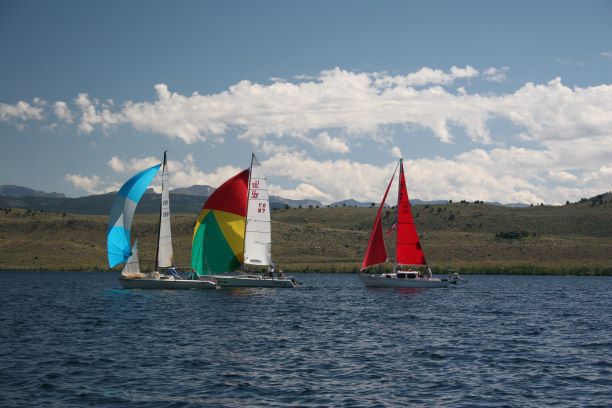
(253,282)
(382,281)
(166,284)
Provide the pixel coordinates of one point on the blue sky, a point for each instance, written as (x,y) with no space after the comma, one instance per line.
(500,101)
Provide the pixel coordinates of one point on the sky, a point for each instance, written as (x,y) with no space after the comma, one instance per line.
(507,101)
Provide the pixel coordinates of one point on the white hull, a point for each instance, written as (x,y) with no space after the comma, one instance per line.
(166,284)
(253,281)
(389,280)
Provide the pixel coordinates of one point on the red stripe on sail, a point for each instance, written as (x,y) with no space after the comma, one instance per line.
(376,252)
(408,249)
(231,196)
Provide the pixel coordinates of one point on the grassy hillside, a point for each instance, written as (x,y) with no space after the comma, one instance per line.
(573,238)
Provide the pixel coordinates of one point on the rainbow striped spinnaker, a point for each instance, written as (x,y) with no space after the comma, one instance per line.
(218,237)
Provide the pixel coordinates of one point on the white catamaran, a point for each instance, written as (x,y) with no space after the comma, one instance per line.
(233,233)
(165,275)
(410,268)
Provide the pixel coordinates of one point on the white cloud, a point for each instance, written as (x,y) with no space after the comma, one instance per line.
(62,111)
(185,173)
(359,105)
(568,131)
(334,180)
(91,184)
(426,76)
(606,55)
(117,164)
(396,152)
(496,74)
(132,165)
(92,116)
(327,143)
(269,147)
(22,111)
(502,174)
(561,177)
(302,191)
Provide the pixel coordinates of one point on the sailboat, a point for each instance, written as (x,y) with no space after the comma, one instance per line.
(410,268)
(118,238)
(233,233)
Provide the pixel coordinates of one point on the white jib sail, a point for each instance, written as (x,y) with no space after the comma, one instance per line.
(165,257)
(258,236)
(132,265)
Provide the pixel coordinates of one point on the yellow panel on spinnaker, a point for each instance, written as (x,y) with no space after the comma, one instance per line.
(232,226)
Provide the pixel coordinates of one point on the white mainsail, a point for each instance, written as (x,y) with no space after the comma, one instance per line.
(132,265)
(165,257)
(258,236)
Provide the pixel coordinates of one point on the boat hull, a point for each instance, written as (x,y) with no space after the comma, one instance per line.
(391,281)
(166,284)
(249,281)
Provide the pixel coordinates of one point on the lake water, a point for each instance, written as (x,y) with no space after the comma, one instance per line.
(76,339)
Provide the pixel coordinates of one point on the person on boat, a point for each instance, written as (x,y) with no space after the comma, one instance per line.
(271,271)
(172,271)
(281,275)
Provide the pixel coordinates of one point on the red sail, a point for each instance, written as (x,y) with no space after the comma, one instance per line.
(408,248)
(376,252)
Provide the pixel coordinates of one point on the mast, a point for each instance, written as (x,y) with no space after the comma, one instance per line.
(397,210)
(246,219)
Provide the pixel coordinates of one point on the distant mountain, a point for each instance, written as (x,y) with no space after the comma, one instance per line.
(183,200)
(416,201)
(101,204)
(19,191)
(280,202)
(196,190)
(352,203)
(516,205)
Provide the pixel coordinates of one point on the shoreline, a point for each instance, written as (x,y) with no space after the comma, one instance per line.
(523,270)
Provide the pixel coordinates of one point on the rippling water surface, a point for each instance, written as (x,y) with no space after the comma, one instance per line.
(74,339)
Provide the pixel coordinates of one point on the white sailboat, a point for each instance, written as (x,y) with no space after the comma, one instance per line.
(410,268)
(165,275)
(232,233)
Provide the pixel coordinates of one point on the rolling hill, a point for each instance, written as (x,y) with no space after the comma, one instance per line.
(575,238)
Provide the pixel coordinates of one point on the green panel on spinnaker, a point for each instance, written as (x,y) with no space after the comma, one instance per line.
(211,253)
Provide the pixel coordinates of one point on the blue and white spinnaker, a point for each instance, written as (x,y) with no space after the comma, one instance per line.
(122,213)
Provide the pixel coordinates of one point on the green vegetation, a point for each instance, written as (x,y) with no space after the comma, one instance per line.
(572,239)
